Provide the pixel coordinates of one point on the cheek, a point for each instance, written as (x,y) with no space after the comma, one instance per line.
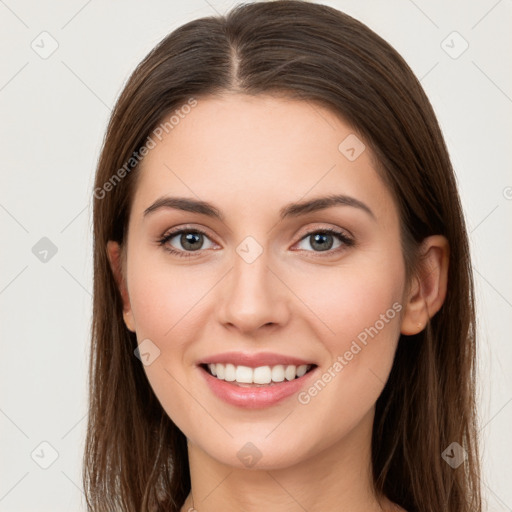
(362,311)
(364,302)
(163,296)
(349,301)
(165,302)
(359,312)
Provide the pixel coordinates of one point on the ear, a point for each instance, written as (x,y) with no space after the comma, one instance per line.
(428,287)
(114,254)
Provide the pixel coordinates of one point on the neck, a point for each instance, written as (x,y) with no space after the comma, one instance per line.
(336,478)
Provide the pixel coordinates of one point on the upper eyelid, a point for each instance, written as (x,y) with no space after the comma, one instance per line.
(204,230)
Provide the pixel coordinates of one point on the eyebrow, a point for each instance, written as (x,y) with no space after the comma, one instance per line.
(290,210)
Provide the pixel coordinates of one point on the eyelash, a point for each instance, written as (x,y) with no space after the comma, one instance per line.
(346,241)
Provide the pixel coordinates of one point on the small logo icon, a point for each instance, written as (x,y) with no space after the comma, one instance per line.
(44,45)
(44,250)
(351,147)
(147,352)
(454,45)
(249,455)
(44,455)
(454,455)
(249,249)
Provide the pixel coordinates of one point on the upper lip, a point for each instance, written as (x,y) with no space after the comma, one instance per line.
(253,360)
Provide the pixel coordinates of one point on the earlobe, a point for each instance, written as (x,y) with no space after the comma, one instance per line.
(114,254)
(428,288)
(128,320)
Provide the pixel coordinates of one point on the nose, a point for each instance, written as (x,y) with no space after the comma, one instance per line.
(253,296)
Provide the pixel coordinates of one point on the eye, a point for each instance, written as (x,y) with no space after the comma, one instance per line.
(322,240)
(191,240)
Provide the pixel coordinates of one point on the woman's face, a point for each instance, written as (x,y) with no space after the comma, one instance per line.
(265,286)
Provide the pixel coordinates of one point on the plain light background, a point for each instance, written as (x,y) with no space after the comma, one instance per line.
(54,112)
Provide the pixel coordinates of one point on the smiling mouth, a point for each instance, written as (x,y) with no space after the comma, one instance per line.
(245,376)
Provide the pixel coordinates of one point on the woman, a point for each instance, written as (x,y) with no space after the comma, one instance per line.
(283,300)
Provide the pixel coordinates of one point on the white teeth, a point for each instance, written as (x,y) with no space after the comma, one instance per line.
(289,373)
(220,369)
(262,375)
(259,375)
(230,373)
(243,374)
(301,370)
(278,373)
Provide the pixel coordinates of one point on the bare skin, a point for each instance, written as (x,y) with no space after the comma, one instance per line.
(250,156)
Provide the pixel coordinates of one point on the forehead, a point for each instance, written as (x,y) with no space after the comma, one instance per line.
(238,150)
(253,130)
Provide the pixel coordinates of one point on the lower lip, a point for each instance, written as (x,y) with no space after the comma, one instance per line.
(255,397)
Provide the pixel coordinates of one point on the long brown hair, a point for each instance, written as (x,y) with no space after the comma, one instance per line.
(135,457)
